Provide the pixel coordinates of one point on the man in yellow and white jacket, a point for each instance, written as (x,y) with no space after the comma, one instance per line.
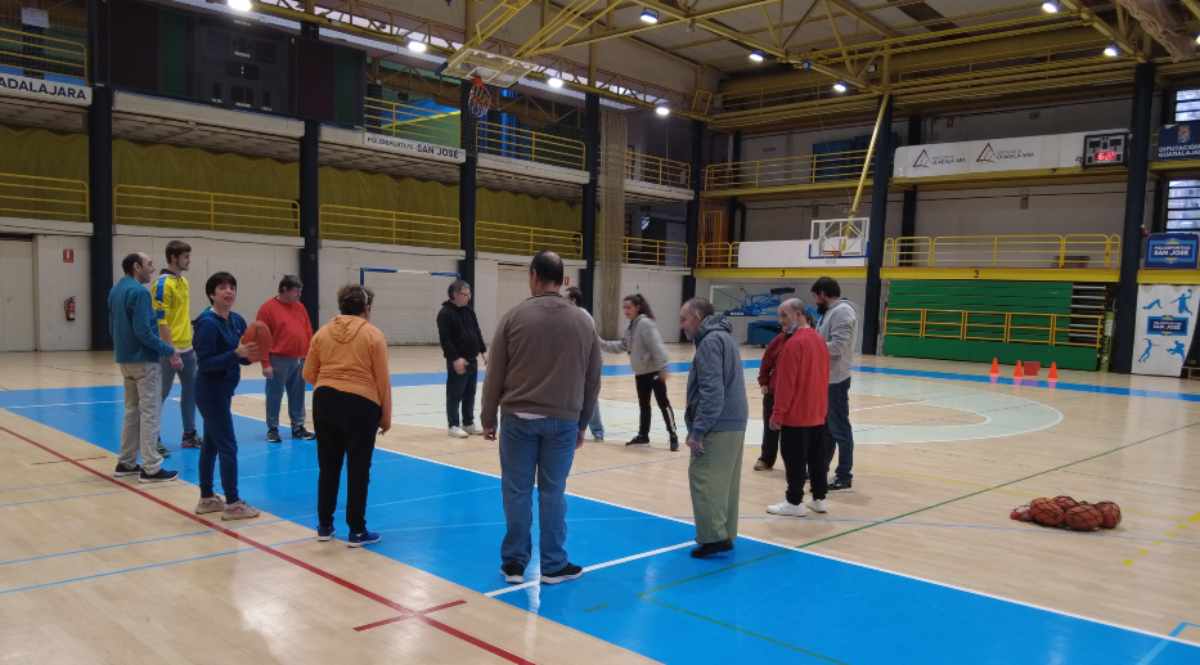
(172,306)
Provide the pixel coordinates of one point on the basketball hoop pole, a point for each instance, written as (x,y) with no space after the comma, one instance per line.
(862,179)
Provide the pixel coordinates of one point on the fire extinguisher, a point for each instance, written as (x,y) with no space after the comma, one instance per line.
(69,308)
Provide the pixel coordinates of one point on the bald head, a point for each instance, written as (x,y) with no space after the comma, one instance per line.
(791,315)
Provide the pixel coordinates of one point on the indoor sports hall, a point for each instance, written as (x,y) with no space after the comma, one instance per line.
(987,212)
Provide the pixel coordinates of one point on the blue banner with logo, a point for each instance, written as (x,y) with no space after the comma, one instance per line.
(1167,326)
(1172,250)
(1179,141)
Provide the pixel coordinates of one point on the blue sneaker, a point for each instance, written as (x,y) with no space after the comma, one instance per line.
(364,538)
(324,533)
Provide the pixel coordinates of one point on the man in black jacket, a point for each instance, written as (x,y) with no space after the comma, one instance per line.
(462,344)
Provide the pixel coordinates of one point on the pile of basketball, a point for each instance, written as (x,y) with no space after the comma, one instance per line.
(1064,511)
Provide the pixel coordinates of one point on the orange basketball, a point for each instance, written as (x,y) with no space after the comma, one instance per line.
(1045,512)
(1084,517)
(1065,502)
(1111,514)
(258,333)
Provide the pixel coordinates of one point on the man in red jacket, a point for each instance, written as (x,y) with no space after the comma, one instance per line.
(801,403)
(291,331)
(766,383)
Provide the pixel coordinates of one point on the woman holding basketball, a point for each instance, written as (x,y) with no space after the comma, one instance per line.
(220,354)
(648,356)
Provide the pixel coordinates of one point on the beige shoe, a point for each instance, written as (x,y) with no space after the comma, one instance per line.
(239,511)
(761,466)
(212,504)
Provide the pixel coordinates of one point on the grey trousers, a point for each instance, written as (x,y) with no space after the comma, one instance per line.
(143,403)
(715,479)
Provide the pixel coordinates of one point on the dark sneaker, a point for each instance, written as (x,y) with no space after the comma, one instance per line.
(190,440)
(639,441)
(839,485)
(514,573)
(302,434)
(124,470)
(324,533)
(363,538)
(162,450)
(710,549)
(674,443)
(273,436)
(163,476)
(564,574)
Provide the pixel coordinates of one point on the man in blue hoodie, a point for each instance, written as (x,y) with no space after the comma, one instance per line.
(716,417)
(138,349)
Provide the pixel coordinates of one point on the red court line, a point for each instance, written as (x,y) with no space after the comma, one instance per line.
(385,622)
(77,459)
(347,584)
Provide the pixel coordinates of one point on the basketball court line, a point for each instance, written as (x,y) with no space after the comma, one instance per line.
(596,566)
(1183,625)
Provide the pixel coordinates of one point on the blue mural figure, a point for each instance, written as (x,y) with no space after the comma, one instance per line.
(1177,350)
(1153,304)
(1146,354)
(1183,300)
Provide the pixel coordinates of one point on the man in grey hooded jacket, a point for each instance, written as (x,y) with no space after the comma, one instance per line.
(838,325)
(716,418)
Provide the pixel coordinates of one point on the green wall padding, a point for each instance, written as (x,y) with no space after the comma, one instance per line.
(983,352)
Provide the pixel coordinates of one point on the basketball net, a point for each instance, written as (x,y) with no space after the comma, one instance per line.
(480,98)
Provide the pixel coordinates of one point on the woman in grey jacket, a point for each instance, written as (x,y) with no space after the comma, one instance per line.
(648,356)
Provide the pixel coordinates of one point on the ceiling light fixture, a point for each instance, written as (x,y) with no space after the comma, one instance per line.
(840,87)
(416,46)
(1050,7)
(662,111)
(649,16)
(240,5)
(554,82)
(757,56)
(1111,51)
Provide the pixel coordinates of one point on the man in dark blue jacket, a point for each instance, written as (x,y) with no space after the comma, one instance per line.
(138,349)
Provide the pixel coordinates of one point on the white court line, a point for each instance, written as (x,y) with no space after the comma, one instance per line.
(46,406)
(599,566)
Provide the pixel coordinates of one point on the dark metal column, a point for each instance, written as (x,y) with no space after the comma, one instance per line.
(466,186)
(100,174)
(731,206)
(908,218)
(591,139)
(884,150)
(310,219)
(696,139)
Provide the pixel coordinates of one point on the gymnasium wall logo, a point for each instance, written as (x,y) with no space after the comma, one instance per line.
(1167,326)
(63,93)
(990,155)
(926,160)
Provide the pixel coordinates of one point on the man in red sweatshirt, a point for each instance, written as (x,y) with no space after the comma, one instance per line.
(291,331)
(801,403)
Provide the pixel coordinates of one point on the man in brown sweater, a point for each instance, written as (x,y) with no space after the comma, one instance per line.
(544,377)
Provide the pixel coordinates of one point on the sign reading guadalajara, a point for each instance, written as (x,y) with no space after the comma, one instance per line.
(396,144)
(54,91)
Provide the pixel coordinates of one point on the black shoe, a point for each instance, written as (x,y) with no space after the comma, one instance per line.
(639,441)
(709,549)
(302,434)
(273,436)
(124,470)
(190,440)
(674,443)
(564,574)
(162,476)
(162,450)
(514,573)
(839,485)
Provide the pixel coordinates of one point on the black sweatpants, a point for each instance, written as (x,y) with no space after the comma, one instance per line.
(650,383)
(346,426)
(460,393)
(770,439)
(803,449)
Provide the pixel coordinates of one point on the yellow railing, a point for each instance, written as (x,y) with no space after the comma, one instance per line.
(527,240)
(1079,250)
(36,53)
(38,197)
(647,251)
(784,171)
(393,227)
(504,141)
(1081,330)
(718,255)
(642,167)
(412,122)
(189,209)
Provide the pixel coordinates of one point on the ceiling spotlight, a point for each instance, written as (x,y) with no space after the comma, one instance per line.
(416,46)
(662,111)
(554,82)
(806,65)
(1050,7)
(840,87)
(240,5)
(649,16)
(756,56)
(1198,39)
(1111,51)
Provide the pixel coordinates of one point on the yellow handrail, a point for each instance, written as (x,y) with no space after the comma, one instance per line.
(518,143)
(655,170)
(42,54)
(40,197)
(718,255)
(648,251)
(1033,250)
(142,205)
(412,122)
(525,240)
(783,171)
(392,227)
(1044,328)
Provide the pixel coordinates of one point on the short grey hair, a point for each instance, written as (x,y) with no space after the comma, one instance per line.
(700,307)
(796,305)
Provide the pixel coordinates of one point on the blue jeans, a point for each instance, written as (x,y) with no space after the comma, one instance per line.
(215,400)
(289,376)
(187,388)
(838,421)
(597,425)
(545,446)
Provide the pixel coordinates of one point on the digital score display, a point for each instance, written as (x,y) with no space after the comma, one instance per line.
(1105,149)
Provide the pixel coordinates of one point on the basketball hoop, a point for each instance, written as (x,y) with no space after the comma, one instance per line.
(480,98)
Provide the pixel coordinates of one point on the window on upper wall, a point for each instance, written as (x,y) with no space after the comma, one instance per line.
(1187,105)
(1183,196)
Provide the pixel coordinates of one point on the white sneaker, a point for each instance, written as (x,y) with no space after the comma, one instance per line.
(818,505)
(787,509)
(475,430)
(458,433)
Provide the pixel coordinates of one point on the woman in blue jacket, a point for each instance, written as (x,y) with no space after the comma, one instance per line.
(219,356)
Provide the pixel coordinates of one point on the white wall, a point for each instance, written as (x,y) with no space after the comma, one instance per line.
(1061,209)
(662,288)
(792,219)
(17,321)
(1063,119)
(502,282)
(54,282)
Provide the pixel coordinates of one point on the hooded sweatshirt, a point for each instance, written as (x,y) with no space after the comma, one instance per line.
(716,388)
(458,332)
(838,327)
(350,355)
(643,343)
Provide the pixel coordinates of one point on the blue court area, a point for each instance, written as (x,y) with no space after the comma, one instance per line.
(763,603)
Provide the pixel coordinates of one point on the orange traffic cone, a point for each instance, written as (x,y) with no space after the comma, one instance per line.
(1053,375)
(995,367)
(1019,370)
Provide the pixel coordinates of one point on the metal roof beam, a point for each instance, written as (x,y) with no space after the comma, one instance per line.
(857,12)
(1099,25)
